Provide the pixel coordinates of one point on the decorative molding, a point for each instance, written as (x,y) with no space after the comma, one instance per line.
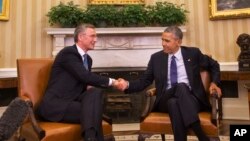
(125,44)
(100,31)
(8,72)
(229,66)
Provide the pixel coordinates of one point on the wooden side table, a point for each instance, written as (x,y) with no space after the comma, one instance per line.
(8,82)
(8,90)
(235,75)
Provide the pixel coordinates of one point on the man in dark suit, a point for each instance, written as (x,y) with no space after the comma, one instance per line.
(179,89)
(70,95)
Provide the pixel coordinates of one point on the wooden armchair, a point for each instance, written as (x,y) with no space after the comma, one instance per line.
(159,123)
(33,76)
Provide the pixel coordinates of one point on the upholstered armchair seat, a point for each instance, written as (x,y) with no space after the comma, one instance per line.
(60,131)
(53,131)
(160,122)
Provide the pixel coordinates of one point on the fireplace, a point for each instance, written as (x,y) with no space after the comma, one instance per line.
(118,104)
(123,108)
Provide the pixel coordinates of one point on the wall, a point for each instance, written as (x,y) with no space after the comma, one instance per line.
(24,34)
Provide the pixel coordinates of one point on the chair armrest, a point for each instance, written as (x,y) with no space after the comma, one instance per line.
(150,98)
(151,92)
(146,109)
(107,118)
(38,130)
(214,99)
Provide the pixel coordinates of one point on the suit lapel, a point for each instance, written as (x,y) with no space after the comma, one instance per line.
(164,71)
(89,62)
(80,57)
(188,65)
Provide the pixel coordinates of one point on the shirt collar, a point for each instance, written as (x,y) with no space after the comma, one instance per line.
(177,54)
(80,51)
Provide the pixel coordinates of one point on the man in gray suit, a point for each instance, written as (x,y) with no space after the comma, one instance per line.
(179,89)
(70,95)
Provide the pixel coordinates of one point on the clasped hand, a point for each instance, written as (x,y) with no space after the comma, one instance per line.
(120,84)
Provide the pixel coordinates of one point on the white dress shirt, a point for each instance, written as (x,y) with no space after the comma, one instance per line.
(181,70)
(81,52)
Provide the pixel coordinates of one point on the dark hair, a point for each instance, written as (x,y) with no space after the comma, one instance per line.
(175,30)
(81,28)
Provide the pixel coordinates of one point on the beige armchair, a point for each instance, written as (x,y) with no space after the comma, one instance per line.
(159,123)
(33,76)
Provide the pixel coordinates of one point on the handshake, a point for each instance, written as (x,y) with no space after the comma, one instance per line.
(120,84)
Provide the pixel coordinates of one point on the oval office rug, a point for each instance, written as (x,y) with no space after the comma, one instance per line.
(158,138)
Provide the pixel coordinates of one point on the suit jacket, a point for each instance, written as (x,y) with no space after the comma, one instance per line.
(68,80)
(194,61)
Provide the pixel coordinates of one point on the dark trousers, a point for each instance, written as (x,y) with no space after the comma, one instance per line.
(87,110)
(182,107)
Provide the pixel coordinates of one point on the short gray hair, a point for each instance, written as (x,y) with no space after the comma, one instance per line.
(175,30)
(81,28)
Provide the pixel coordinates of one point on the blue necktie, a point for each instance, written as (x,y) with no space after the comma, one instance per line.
(85,61)
(173,72)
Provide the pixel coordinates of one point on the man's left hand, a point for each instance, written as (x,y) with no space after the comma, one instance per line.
(214,89)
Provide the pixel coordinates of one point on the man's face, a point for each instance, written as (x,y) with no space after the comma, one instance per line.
(170,43)
(87,39)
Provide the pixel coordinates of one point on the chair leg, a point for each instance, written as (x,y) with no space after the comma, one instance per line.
(109,138)
(163,137)
(141,137)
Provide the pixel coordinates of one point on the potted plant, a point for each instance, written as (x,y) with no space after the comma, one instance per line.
(66,15)
(160,14)
(166,14)
(101,15)
(133,15)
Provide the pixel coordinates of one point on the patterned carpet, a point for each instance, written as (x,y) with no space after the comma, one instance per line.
(157,138)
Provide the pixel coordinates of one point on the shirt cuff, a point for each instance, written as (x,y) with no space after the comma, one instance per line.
(111,81)
(127,85)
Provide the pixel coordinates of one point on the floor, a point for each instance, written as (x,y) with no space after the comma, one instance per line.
(129,132)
